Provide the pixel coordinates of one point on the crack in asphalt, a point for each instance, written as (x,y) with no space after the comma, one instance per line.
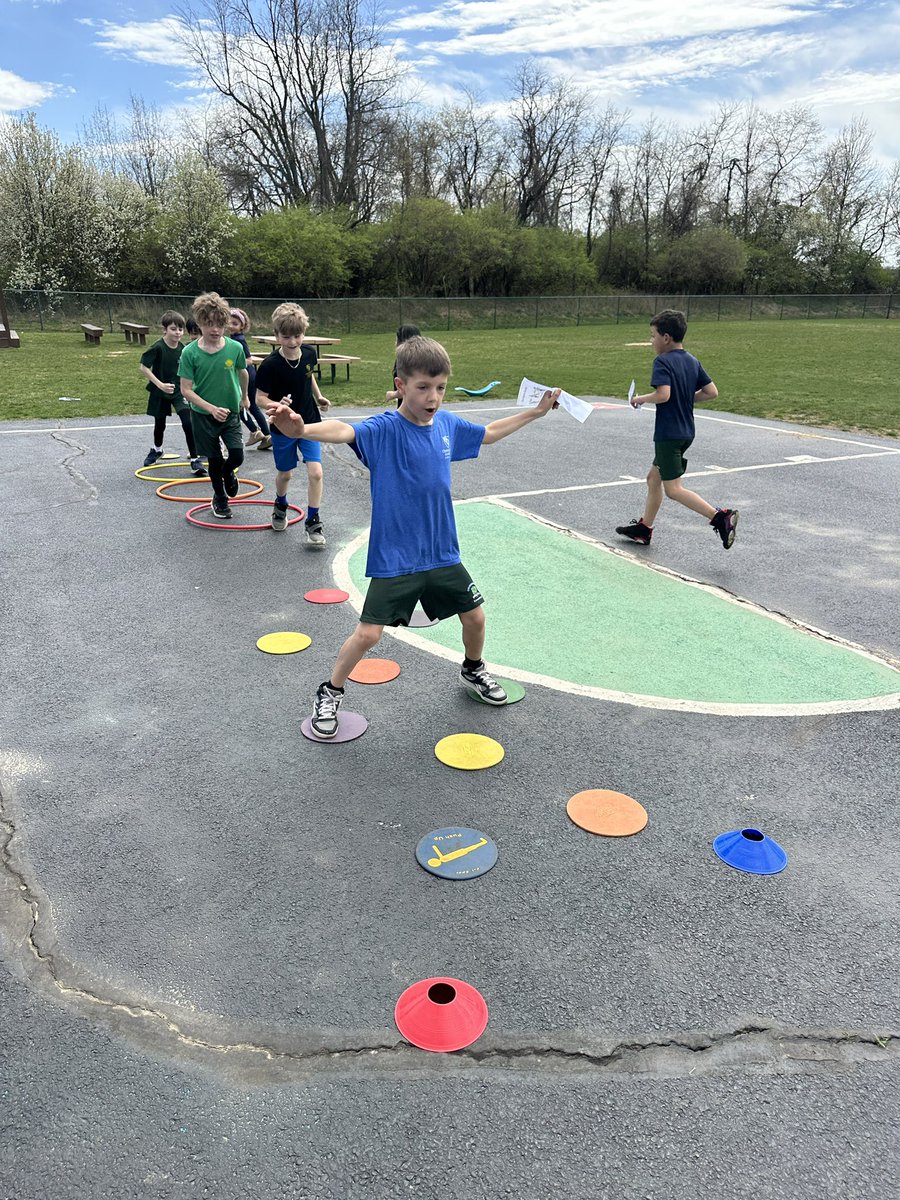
(90,491)
(224,1047)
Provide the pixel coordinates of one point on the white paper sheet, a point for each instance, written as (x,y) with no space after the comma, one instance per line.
(530,394)
(631,392)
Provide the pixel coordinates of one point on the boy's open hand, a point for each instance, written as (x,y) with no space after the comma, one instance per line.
(285,420)
(549,400)
(221,414)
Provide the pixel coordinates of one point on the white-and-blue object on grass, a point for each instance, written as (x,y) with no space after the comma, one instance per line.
(479,391)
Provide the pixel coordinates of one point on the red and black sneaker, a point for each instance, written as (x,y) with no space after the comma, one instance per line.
(725,524)
(637,531)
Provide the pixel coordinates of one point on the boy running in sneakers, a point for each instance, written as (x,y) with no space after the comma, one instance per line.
(159,366)
(413,547)
(679,381)
(289,374)
(214,379)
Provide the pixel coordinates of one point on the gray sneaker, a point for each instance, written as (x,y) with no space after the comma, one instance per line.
(314,535)
(279,518)
(483,685)
(325,711)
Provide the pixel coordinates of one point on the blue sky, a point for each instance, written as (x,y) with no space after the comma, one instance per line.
(677,58)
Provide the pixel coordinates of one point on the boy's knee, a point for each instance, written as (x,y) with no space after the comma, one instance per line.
(672,487)
(314,470)
(369,635)
(653,476)
(474,618)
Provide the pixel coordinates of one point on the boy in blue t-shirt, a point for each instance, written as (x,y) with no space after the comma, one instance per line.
(680,381)
(413,548)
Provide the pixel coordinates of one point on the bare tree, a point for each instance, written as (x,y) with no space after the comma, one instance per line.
(597,147)
(308,84)
(545,120)
(140,148)
(471,152)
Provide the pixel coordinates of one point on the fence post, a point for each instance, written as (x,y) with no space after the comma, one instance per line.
(40,311)
(719,310)
(865,305)
(578,313)
(537,305)
(400,309)
(687,308)
(808,306)
(781,310)
(348,314)
(837,307)
(109,311)
(495,312)
(618,307)
(887,315)
(751,306)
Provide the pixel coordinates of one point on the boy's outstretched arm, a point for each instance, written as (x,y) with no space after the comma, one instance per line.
(507,425)
(291,424)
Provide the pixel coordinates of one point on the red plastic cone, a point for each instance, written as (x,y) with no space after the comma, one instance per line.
(441,1014)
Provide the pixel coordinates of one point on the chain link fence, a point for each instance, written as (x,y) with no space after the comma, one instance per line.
(67,311)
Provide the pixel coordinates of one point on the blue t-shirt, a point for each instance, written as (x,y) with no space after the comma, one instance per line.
(413,527)
(683,375)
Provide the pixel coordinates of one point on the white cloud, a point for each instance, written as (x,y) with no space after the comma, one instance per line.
(162,42)
(554,26)
(17,93)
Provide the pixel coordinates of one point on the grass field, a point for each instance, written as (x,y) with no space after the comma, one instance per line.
(839,373)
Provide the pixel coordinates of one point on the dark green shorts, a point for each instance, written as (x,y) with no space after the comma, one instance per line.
(443,592)
(207,431)
(162,406)
(670,458)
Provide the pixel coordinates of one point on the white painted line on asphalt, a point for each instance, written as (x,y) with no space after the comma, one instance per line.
(344,580)
(623,482)
(474,410)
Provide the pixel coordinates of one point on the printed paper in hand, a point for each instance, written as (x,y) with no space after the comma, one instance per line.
(631,392)
(530,394)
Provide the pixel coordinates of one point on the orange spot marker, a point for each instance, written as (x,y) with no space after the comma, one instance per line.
(375,670)
(611,814)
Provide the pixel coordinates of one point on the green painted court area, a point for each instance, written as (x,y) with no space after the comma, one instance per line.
(575,613)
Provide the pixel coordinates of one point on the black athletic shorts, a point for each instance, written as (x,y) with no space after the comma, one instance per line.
(442,592)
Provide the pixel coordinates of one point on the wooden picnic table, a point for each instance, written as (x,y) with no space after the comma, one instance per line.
(332,360)
(307,341)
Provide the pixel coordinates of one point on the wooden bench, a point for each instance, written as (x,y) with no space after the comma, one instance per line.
(134,332)
(92,333)
(333,360)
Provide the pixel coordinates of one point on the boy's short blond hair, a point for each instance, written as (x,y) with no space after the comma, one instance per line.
(290,320)
(422,356)
(209,306)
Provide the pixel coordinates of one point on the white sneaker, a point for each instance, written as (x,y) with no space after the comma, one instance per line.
(315,536)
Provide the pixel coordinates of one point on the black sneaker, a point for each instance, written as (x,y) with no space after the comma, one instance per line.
(197,467)
(481,684)
(725,524)
(315,535)
(152,457)
(230,483)
(221,508)
(325,711)
(637,531)
(279,518)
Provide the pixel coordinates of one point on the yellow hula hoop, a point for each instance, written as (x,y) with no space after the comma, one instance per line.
(165,466)
(163,490)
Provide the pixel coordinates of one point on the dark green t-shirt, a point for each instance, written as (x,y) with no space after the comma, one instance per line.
(163,361)
(215,376)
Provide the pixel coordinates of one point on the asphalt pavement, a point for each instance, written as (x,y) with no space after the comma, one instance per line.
(207,919)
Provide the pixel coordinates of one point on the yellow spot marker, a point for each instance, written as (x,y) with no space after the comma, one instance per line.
(469,751)
(283,643)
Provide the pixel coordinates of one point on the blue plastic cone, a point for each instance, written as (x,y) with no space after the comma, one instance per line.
(751,851)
